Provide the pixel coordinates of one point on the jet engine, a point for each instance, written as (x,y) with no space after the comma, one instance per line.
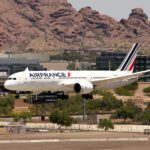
(84,87)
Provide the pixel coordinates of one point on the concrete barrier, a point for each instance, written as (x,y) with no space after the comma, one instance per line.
(3,123)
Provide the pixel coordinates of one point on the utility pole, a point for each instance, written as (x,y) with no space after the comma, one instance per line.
(109,65)
(43,112)
(84,108)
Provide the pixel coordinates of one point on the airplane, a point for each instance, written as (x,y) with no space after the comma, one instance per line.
(83,82)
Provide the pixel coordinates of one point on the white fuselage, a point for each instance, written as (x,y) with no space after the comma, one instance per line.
(38,81)
(80,81)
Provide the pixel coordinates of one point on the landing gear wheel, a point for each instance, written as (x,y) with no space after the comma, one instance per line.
(87,96)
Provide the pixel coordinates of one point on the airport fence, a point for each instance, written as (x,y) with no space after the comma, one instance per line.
(35,127)
(85,127)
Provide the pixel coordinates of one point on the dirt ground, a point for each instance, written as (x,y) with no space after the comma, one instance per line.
(79,146)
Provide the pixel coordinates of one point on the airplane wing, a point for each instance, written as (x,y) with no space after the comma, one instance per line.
(72,82)
(124,78)
(69,85)
(106,83)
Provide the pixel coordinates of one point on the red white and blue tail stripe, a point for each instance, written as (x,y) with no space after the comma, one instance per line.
(130,59)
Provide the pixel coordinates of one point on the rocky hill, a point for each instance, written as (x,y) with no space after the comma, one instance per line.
(52,25)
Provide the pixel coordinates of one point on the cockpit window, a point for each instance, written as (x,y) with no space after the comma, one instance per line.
(14,79)
(9,78)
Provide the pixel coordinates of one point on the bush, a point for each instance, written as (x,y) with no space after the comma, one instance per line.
(16,117)
(144,117)
(61,118)
(125,113)
(24,116)
(93,106)
(146,90)
(72,106)
(109,102)
(66,120)
(132,87)
(55,117)
(6,104)
(106,124)
(99,92)
(130,110)
(124,92)
(127,90)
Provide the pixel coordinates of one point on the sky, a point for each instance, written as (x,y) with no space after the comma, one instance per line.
(117,9)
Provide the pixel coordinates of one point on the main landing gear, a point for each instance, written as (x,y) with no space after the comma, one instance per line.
(87,96)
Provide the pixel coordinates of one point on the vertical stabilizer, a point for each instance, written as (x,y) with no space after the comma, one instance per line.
(130,59)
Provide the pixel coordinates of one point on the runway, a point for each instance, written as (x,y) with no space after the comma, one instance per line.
(78,146)
(75,141)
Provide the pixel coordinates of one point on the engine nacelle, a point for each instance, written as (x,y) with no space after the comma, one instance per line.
(84,87)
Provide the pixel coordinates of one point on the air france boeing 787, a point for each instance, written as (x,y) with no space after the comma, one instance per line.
(83,82)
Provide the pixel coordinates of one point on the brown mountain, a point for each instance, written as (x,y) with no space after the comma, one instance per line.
(51,25)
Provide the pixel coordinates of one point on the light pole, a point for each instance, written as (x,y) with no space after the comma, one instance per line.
(84,108)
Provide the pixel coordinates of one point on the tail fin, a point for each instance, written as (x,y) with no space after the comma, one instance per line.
(130,59)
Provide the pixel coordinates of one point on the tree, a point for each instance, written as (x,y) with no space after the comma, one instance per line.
(72,106)
(42,109)
(24,116)
(135,109)
(144,117)
(93,106)
(130,110)
(106,124)
(61,118)
(6,104)
(55,116)
(109,102)
(125,113)
(16,117)
(66,120)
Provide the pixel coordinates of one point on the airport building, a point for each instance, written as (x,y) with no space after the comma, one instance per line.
(110,60)
(9,66)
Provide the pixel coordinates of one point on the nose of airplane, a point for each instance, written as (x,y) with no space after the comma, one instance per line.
(9,85)
(6,85)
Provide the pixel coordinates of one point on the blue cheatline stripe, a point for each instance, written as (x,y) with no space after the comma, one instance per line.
(131,54)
